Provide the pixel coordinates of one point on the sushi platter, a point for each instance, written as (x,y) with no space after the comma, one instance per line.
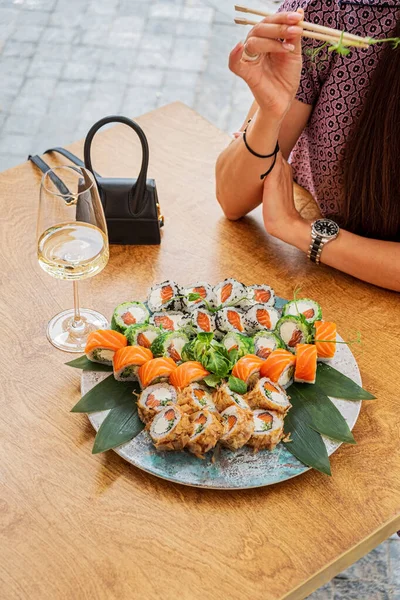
(222,386)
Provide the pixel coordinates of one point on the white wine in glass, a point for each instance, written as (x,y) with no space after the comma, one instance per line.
(72,244)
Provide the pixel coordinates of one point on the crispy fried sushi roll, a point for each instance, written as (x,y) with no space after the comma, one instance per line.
(127,314)
(187,373)
(195,397)
(225,397)
(268,430)
(170,429)
(248,368)
(206,431)
(202,321)
(238,427)
(229,291)
(128,360)
(142,335)
(156,370)
(325,340)
(310,310)
(164,296)
(170,321)
(260,317)
(258,294)
(205,293)
(170,344)
(102,344)
(230,319)
(293,330)
(306,363)
(154,398)
(268,395)
(279,367)
(266,342)
(236,341)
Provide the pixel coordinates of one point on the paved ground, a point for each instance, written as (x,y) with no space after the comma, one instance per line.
(66,63)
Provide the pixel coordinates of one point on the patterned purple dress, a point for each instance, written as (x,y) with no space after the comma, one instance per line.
(336,86)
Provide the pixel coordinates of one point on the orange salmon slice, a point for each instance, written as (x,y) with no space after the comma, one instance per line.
(166,293)
(262,316)
(309,313)
(143,341)
(264,352)
(152,401)
(235,320)
(201,419)
(266,417)
(128,318)
(226,292)
(203,321)
(201,291)
(199,394)
(269,387)
(231,422)
(170,415)
(165,322)
(174,354)
(295,339)
(262,295)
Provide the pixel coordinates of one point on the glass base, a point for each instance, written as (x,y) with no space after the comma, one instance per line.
(63,334)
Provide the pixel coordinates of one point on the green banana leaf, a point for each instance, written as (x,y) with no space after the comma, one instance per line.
(335,384)
(107,394)
(306,444)
(121,425)
(87,365)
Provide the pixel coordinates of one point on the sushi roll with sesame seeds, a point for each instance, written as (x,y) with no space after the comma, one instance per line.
(129,313)
(205,433)
(195,397)
(309,309)
(230,319)
(170,321)
(202,321)
(238,427)
(293,330)
(170,344)
(164,296)
(142,335)
(237,341)
(154,398)
(229,292)
(205,293)
(266,342)
(258,294)
(268,395)
(225,397)
(260,317)
(170,429)
(268,430)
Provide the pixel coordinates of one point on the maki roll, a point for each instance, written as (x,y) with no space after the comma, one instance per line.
(164,296)
(204,290)
(268,430)
(310,310)
(127,360)
(279,367)
(260,317)
(142,335)
(248,368)
(170,321)
(154,398)
(229,291)
(170,429)
(230,319)
(170,344)
(258,294)
(236,341)
(266,342)
(293,330)
(129,313)
(205,433)
(226,397)
(306,363)
(187,373)
(268,395)
(203,321)
(102,344)
(325,340)
(156,370)
(238,427)
(195,397)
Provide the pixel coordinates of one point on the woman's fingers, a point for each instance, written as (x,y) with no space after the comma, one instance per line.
(259,45)
(274,31)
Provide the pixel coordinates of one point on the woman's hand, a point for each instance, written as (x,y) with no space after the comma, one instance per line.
(275,77)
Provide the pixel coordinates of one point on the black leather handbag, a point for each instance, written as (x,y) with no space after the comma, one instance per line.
(131,206)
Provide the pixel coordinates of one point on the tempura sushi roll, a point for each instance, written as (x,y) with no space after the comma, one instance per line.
(325,340)
(170,344)
(102,344)
(142,335)
(202,321)
(237,341)
(268,430)
(195,397)
(127,360)
(266,342)
(230,292)
(187,373)
(238,427)
(268,395)
(310,310)
(205,433)
(154,398)
(203,290)
(164,296)
(170,429)
(258,294)
(170,321)
(260,316)
(230,319)
(225,397)
(306,363)
(156,370)
(248,368)
(129,313)
(279,367)
(292,331)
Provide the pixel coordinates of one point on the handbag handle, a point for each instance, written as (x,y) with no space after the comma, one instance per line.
(138,190)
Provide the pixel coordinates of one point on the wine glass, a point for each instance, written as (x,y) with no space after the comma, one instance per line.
(72,244)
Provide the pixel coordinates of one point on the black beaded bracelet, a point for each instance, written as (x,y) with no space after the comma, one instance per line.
(273,154)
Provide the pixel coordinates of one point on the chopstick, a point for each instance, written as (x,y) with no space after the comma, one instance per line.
(310,30)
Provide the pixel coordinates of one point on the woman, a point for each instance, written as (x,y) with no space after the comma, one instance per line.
(339,119)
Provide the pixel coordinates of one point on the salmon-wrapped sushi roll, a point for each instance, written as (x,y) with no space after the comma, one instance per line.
(142,335)
(202,321)
(102,344)
(229,291)
(266,342)
(238,427)
(127,314)
(325,340)
(261,316)
(225,397)
(127,360)
(203,290)
(195,397)
(279,367)
(230,319)
(156,370)
(268,430)
(306,363)
(206,431)
(164,296)
(268,395)
(154,398)
(170,429)
(170,321)
(248,368)
(187,373)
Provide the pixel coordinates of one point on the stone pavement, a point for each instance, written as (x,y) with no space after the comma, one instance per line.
(66,63)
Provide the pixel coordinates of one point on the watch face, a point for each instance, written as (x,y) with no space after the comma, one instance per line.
(326,227)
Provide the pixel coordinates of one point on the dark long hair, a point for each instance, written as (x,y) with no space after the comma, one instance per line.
(371,193)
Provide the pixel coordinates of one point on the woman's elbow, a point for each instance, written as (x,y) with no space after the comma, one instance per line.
(225,202)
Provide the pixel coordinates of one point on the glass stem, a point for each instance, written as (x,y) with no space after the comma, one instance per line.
(77,322)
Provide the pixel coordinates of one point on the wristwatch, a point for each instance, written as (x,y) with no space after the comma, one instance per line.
(322,232)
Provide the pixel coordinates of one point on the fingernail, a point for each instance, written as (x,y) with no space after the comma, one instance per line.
(288,47)
(294,30)
(238,46)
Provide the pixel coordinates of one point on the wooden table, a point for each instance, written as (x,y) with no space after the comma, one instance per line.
(77,526)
